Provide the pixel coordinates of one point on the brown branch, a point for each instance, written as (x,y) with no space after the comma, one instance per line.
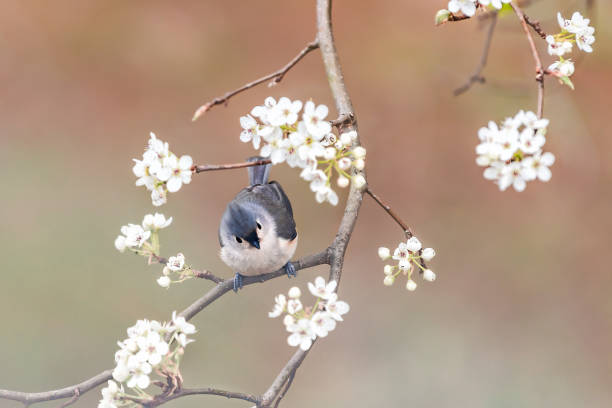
(212,295)
(351,211)
(183,392)
(535,24)
(276,77)
(287,386)
(396,218)
(68,392)
(536,57)
(334,255)
(198,274)
(476,76)
(213,167)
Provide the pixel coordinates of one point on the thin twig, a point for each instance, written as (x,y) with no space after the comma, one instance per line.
(201,391)
(276,77)
(396,218)
(536,58)
(338,249)
(197,306)
(198,274)
(535,24)
(72,400)
(476,76)
(213,167)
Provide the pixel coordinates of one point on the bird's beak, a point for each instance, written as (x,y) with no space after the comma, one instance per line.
(253,239)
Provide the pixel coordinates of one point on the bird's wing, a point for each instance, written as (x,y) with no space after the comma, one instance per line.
(272,197)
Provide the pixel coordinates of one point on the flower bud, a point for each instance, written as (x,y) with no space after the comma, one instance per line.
(384,253)
(388,281)
(359,164)
(166,271)
(344,163)
(295,292)
(388,270)
(428,254)
(429,275)
(120,243)
(442,16)
(163,281)
(359,152)
(330,153)
(343,181)
(411,285)
(413,244)
(359,181)
(346,139)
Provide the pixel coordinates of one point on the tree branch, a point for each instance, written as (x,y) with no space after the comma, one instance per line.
(276,77)
(213,167)
(476,76)
(536,58)
(396,218)
(535,24)
(351,211)
(212,295)
(201,391)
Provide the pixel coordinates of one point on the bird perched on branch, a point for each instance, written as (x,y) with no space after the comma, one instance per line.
(257,232)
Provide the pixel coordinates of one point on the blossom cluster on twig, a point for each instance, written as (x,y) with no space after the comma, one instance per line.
(161,171)
(410,256)
(307,323)
(151,348)
(307,144)
(576,30)
(512,152)
(136,237)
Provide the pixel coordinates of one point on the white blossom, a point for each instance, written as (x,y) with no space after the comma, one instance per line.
(120,243)
(176,263)
(537,166)
(135,236)
(250,131)
(302,334)
(336,308)
(322,323)
(295,292)
(467,7)
(321,289)
(280,303)
(558,48)
(154,222)
(314,117)
(498,4)
(565,67)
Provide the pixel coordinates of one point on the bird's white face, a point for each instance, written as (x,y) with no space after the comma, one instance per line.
(273,253)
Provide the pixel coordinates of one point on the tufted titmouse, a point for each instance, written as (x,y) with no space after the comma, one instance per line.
(257,232)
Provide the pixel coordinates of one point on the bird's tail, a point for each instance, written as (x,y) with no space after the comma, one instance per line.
(258,174)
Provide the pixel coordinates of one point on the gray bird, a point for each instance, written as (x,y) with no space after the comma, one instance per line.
(257,232)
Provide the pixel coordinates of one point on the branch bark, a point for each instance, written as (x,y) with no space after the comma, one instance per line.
(334,255)
(276,77)
(536,57)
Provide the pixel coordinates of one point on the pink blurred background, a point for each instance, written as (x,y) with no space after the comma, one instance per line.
(521,312)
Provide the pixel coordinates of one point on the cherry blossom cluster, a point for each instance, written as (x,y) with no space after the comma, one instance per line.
(307,143)
(307,323)
(576,30)
(136,237)
(161,171)
(151,347)
(175,271)
(512,152)
(409,256)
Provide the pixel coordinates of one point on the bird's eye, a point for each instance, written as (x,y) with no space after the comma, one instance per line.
(239,240)
(258,226)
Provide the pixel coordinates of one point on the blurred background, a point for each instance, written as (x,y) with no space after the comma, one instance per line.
(521,312)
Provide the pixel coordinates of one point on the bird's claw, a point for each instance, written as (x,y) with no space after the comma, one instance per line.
(237,282)
(290,269)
